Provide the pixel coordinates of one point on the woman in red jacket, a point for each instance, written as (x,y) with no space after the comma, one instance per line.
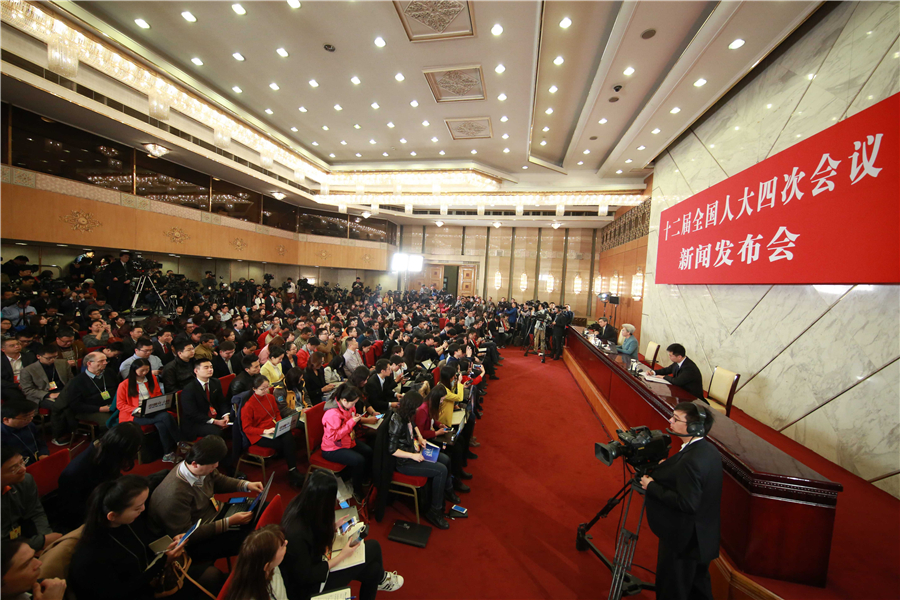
(141,384)
(259,415)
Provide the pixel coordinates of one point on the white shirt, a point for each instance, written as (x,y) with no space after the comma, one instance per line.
(16,364)
(190,477)
(683,446)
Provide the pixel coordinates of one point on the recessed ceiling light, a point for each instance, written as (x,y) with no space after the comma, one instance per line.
(375,105)
(238,56)
(197,61)
(549,111)
(619,172)
(142,23)
(553,89)
(371,141)
(543,142)
(315,143)
(501,97)
(274,86)
(302,109)
(269,111)
(768,106)
(282,52)
(504,119)
(628,71)
(324,127)
(358,155)
(238,9)
(580,162)
(426,123)
(675,110)
(331,155)
(402,140)
(343,142)
(474,151)
(390,124)
(558,60)
(338,107)
(414,104)
(736,44)
(442,153)
(434,139)
(506,150)
(505,136)
(499,68)
(642,147)
(586,152)
(525,167)
(379,41)
(412,153)
(294,3)
(497,29)
(384,153)
(655,131)
(356,126)
(546,129)
(628,161)
(313,83)
(237,90)
(355,80)
(565,23)
(737,127)
(189,17)
(700,82)
(399,77)
(602,121)
(294,129)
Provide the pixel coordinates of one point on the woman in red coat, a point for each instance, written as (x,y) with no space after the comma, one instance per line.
(259,415)
(141,384)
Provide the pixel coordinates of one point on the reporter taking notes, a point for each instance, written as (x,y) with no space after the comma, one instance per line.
(683,372)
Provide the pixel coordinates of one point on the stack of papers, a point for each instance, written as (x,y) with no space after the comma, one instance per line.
(654,378)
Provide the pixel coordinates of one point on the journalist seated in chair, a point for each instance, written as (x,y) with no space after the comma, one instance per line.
(339,441)
(629,347)
(259,416)
(139,385)
(406,444)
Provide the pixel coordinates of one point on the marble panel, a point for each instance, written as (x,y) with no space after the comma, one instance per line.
(652,248)
(698,167)
(709,325)
(871,316)
(682,328)
(809,52)
(668,178)
(865,442)
(778,395)
(890,484)
(884,82)
(734,302)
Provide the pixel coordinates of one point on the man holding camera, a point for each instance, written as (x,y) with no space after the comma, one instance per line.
(119,274)
(683,498)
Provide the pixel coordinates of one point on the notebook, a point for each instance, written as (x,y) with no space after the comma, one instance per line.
(284,425)
(150,406)
(431,452)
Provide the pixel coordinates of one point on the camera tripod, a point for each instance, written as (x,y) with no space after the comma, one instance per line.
(142,282)
(623,581)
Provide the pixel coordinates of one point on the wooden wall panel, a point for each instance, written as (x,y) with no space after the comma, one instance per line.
(624,259)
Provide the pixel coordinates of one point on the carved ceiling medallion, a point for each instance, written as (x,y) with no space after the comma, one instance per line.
(81,221)
(436,15)
(473,128)
(457,82)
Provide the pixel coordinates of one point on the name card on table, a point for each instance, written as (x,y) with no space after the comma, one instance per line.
(826,210)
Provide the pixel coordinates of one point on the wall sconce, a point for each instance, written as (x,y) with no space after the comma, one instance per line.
(614,284)
(408,209)
(576,284)
(498,280)
(222,139)
(520,210)
(637,284)
(550,283)
(342,208)
(480,210)
(523,282)
(560,210)
(266,160)
(444,209)
(598,284)
(159,104)
(62,56)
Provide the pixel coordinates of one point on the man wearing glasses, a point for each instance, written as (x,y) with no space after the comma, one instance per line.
(21,512)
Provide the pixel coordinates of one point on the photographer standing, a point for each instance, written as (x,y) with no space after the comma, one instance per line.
(683,500)
(562,320)
(119,275)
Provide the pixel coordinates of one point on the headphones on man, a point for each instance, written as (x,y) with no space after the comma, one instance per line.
(698,428)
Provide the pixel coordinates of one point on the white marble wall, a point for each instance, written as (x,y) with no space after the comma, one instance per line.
(819,363)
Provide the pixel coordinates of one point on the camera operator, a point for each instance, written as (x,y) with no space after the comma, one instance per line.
(119,276)
(682,499)
(560,322)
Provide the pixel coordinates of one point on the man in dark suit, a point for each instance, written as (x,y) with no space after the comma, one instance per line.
(683,498)
(203,407)
(162,345)
(119,281)
(380,387)
(606,331)
(244,380)
(222,365)
(683,372)
(560,323)
(14,359)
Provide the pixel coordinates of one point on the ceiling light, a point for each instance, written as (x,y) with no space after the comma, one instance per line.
(313,83)
(399,77)
(274,86)
(412,153)
(549,111)
(365,214)
(655,131)
(197,61)
(501,97)
(338,107)
(237,90)
(504,119)
(294,3)
(505,136)
(426,123)
(546,129)
(384,153)
(496,224)
(506,150)
(294,129)
(700,82)
(543,142)
(580,162)
(302,109)
(565,23)
(402,140)
(553,89)
(371,141)
(189,17)
(391,124)
(142,23)
(238,9)
(524,167)
(628,71)
(355,80)
(375,105)
(279,195)
(642,147)
(434,139)
(474,151)
(324,127)
(238,56)
(379,41)
(586,152)
(602,121)
(558,60)
(414,104)
(156,150)
(269,111)
(736,44)
(497,29)
(315,143)
(675,110)
(619,172)
(358,155)
(343,142)
(499,68)
(282,52)
(768,106)
(442,153)
(439,223)
(555,225)
(628,161)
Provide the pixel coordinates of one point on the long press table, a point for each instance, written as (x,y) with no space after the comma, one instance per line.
(777,513)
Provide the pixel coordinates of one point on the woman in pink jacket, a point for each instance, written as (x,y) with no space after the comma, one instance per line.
(339,443)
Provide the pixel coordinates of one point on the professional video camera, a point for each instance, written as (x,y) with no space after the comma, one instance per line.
(639,447)
(141,265)
(268,277)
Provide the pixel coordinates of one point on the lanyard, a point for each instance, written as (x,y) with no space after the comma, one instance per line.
(146,559)
(24,445)
(94,381)
(265,408)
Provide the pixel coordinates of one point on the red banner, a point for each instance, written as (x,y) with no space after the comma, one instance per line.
(826,210)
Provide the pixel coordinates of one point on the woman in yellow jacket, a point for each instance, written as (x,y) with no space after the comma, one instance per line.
(272,368)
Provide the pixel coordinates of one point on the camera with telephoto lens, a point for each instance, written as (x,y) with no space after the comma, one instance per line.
(141,265)
(639,447)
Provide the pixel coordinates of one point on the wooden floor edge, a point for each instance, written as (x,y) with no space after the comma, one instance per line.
(729,583)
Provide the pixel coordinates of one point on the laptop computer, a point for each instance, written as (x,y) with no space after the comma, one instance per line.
(284,425)
(156,404)
(255,505)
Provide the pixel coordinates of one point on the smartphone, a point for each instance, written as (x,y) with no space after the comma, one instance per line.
(344,504)
(459,509)
(379,416)
(238,500)
(346,526)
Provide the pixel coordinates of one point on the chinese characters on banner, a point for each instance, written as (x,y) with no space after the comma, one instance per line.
(826,210)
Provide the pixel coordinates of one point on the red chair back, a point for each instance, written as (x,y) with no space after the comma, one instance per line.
(437,375)
(46,472)
(226,382)
(224,593)
(273,513)
(94,349)
(369,357)
(314,428)
(442,322)
(378,347)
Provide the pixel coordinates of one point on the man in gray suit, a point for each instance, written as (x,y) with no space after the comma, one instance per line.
(43,382)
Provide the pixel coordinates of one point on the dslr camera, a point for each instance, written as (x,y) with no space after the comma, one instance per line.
(640,447)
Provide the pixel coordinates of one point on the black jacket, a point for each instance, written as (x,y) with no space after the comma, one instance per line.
(220,368)
(687,377)
(85,393)
(380,396)
(302,569)
(6,371)
(161,353)
(315,381)
(242,382)
(400,438)
(176,375)
(610,334)
(683,501)
(195,407)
